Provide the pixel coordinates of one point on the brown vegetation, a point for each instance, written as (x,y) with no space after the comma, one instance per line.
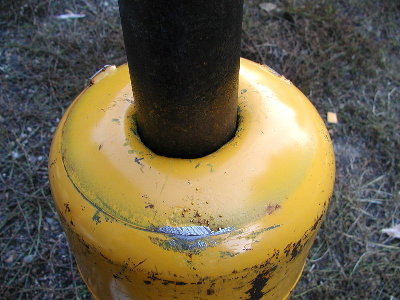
(344,55)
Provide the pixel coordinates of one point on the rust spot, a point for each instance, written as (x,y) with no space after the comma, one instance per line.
(287,249)
(292,250)
(137,265)
(276,253)
(210,292)
(271,208)
(106,258)
(67,208)
(256,293)
(153,277)
(53,162)
(297,247)
(86,245)
(121,271)
(149,205)
(317,221)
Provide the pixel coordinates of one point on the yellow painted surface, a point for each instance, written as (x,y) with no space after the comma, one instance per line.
(236,224)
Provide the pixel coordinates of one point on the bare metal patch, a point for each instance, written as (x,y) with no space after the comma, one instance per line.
(191,239)
(190,233)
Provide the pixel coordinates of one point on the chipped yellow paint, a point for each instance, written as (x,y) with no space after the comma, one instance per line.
(236,224)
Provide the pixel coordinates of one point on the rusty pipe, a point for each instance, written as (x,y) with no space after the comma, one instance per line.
(183,58)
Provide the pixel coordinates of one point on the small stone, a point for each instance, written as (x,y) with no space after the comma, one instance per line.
(50,221)
(9,259)
(15,155)
(28,259)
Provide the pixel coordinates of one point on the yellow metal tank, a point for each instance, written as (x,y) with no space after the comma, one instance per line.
(235,224)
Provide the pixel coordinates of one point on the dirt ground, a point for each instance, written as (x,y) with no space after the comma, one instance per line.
(344,55)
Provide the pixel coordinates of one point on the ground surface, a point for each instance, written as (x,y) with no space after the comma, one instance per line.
(344,55)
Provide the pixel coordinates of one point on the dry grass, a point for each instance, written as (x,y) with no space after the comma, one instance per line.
(342,54)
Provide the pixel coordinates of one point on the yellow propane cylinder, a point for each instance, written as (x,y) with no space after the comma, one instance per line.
(235,224)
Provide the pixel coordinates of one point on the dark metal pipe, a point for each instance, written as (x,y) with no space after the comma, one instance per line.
(183,57)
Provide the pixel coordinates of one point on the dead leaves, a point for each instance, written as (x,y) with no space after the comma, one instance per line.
(392,231)
(268,6)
